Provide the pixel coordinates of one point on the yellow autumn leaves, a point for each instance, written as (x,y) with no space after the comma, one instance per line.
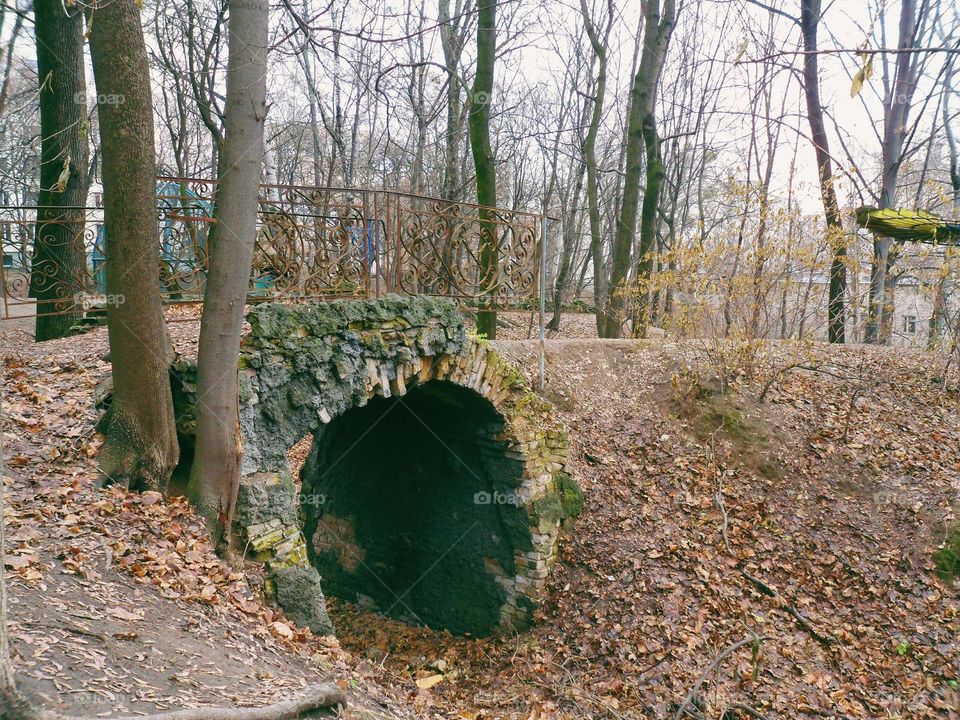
(863,74)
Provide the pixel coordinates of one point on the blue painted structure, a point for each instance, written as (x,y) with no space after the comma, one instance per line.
(176,206)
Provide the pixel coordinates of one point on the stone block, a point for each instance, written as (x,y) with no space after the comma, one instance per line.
(266,541)
(263,497)
(300,595)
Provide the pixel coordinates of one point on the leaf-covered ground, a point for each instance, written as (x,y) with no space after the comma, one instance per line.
(827,556)
(116,600)
(765,557)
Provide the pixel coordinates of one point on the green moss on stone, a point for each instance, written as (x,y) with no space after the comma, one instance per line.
(571,496)
(547,510)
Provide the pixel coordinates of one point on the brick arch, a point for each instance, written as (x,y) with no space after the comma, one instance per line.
(303,367)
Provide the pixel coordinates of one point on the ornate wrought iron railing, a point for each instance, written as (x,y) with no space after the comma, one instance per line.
(312,243)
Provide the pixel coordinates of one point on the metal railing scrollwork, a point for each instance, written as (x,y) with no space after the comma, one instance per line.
(312,243)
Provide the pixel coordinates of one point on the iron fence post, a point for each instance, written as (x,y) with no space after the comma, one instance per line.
(364,229)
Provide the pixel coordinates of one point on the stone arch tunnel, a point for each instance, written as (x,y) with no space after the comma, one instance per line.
(435,488)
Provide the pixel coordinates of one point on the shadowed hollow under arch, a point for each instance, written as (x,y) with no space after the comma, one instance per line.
(420,513)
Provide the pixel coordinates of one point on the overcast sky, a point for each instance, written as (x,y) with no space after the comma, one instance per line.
(538,60)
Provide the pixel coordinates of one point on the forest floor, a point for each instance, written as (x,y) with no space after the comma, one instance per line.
(763,558)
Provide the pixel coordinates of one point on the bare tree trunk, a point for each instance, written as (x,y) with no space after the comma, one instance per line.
(453,31)
(785,283)
(734,271)
(58,269)
(648,221)
(215,475)
(896,108)
(483,161)
(760,245)
(566,254)
(452,38)
(140,449)
(590,159)
(9,57)
(836,316)
(938,315)
(890,280)
(641,137)
(306,62)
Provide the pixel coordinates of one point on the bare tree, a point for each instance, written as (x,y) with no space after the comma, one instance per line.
(453,37)
(810,13)
(899,87)
(8,54)
(483,160)
(140,449)
(599,44)
(58,267)
(215,475)
(642,143)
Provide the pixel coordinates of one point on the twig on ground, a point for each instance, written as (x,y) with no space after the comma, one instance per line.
(714,664)
(826,640)
(742,707)
(718,499)
(75,629)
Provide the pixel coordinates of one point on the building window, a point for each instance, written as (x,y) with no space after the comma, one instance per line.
(910,324)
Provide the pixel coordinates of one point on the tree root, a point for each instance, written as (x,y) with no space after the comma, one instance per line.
(313,698)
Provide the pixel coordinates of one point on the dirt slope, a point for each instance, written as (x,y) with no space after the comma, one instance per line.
(841,531)
(117,601)
(835,491)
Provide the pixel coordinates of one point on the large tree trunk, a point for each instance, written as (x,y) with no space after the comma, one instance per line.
(648,222)
(836,317)
(613,314)
(641,140)
(483,162)
(141,443)
(215,476)
(58,269)
(896,109)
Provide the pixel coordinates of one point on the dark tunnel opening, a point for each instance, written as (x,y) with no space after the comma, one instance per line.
(411,503)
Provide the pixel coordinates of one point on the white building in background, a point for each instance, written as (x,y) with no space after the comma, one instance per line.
(912,313)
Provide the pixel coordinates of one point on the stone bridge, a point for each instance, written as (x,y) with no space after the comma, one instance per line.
(435,487)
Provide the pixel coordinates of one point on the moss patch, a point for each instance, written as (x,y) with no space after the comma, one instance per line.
(571,496)
(947,556)
(735,426)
